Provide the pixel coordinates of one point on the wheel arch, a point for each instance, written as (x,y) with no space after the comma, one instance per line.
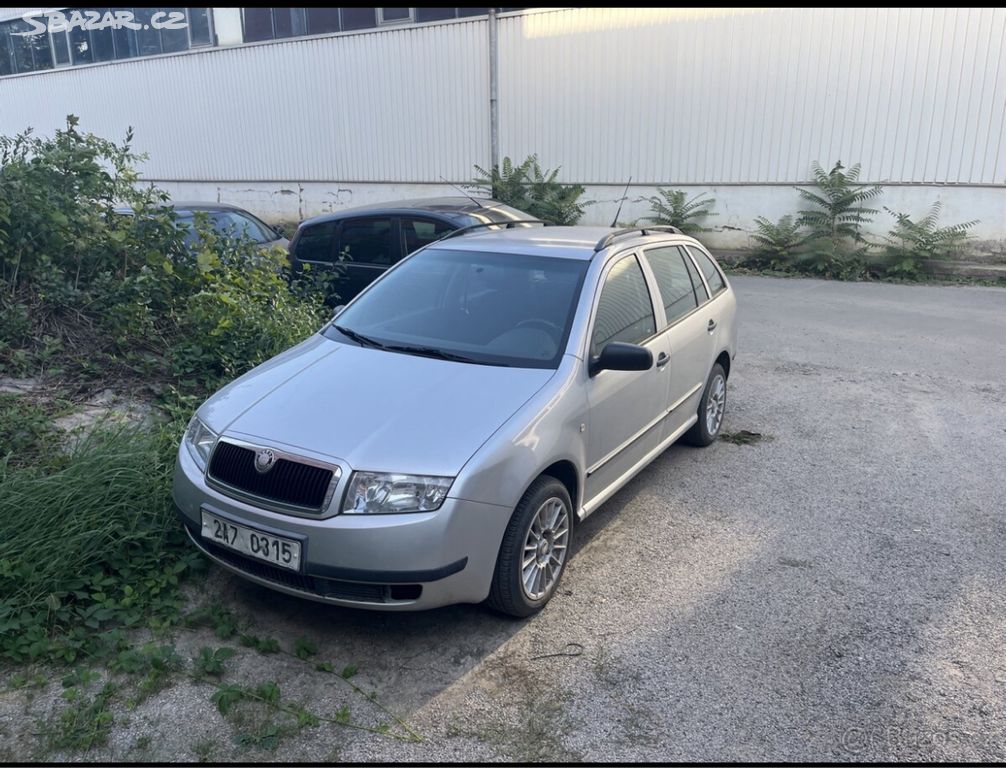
(724,361)
(565,472)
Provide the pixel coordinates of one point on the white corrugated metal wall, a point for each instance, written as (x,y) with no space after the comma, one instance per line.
(700,96)
(405,104)
(736,103)
(715,96)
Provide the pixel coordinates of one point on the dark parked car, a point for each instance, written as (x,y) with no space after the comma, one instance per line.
(226,220)
(373,238)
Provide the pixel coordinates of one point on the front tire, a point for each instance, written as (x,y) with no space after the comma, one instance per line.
(711,409)
(534,550)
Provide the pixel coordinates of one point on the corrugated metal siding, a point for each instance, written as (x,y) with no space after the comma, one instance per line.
(407,104)
(15,13)
(709,96)
(668,96)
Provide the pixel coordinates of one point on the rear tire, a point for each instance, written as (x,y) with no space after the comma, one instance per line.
(711,409)
(534,551)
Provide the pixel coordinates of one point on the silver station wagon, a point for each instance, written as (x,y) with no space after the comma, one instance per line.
(442,437)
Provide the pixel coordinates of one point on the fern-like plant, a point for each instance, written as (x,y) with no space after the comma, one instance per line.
(674,207)
(530,189)
(835,219)
(909,242)
(505,182)
(550,200)
(778,242)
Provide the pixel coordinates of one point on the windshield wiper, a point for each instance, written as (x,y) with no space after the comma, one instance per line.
(440,354)
(359,338)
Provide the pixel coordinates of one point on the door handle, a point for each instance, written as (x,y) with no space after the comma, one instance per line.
(712,326)
(662,360)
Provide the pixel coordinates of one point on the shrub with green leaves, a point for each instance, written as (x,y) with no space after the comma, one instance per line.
(528,188)
(778,243)
(124,287)
(676,208)
(835,246)
(912,241)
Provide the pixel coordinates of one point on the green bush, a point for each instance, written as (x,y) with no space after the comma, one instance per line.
(27,432)
(124,288)
(835,246)
(778,243)
(88,538)
(530,189)
(676,208)
(910,242)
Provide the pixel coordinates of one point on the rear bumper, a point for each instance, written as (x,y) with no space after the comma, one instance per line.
(383,562)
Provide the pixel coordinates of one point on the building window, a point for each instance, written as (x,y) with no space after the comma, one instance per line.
(323,20)
(76,46)
(358,18)
(278,23)
(395,15)
(435,14)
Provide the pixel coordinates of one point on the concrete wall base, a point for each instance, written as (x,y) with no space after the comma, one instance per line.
(730,229)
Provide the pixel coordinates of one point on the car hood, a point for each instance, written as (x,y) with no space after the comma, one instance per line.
(372,409)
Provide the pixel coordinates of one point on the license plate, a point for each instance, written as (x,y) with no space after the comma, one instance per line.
(284,553)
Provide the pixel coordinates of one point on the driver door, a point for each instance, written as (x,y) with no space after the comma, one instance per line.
(626,407)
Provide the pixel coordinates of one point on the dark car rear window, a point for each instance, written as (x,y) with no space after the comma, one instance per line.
(317,242)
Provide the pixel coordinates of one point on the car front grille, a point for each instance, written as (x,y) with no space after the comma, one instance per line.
(288,482)
(333,588)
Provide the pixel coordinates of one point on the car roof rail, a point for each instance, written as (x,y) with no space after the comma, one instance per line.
(607,240)
(507,224)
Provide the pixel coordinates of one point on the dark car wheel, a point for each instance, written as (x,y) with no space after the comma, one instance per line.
(534,551)
(711,408)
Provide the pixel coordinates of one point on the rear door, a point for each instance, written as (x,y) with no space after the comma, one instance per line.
(418,231)
(690,345)
(314,248)
(720,310)
(368,246)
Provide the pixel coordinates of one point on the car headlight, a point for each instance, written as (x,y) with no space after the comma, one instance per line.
(378,493)
(200,439)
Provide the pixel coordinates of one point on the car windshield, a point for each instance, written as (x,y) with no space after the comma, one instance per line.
(229,223)
(487,308)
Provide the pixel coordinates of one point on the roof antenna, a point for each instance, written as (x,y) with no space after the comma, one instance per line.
(614,222)
(477,202)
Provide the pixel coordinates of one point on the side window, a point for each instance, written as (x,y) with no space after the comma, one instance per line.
(317,242)
(713,276)
(624,311)
(700,289)
(676,288)
(419,232)
(237,225)
(368,241)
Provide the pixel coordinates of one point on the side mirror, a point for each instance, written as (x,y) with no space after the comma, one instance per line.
(337,310)
(619,356)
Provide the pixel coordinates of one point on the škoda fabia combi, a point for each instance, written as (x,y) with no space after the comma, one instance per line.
(440,439)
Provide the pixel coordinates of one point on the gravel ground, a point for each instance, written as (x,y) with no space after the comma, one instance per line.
(835,591)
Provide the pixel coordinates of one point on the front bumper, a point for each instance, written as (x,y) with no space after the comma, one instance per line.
(385,562)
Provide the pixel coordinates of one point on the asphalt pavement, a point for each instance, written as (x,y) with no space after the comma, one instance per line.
(832,591)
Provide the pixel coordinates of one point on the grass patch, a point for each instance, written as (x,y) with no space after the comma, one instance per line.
(27,435)
(91,544)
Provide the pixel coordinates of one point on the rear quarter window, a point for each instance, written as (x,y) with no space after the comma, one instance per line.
(317,242)
(710,270)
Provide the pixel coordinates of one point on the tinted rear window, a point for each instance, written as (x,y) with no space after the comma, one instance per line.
(317,242)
